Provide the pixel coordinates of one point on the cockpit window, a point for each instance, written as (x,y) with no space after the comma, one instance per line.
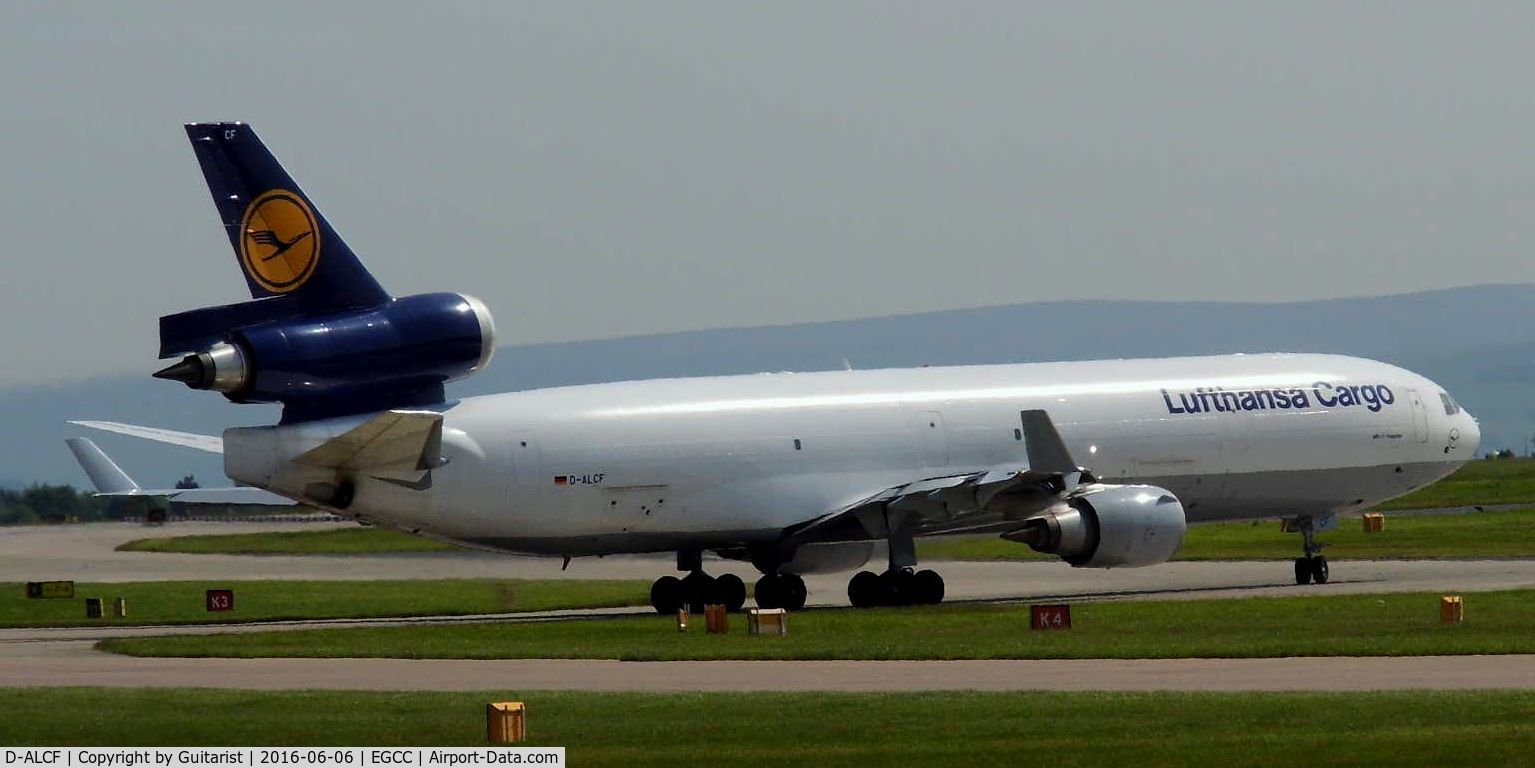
(1450,406)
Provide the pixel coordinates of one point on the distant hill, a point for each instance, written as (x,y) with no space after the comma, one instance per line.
(1479,342)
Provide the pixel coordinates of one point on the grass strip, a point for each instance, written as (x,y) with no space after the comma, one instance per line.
(1335,625)
(1505,533)
(1486,482)
(1427,728)
(181,602)
(339,541)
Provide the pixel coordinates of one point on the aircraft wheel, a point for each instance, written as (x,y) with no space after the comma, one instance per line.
(795,592)
(1319,570)
(1302,570)
(896,586)
(666,595)
(698,588)
(730,590)
(769,592)
(863,591)
(926,587)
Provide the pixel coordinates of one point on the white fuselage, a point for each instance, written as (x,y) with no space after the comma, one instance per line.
(730,461)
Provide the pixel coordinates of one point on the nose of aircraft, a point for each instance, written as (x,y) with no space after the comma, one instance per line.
(1470,433)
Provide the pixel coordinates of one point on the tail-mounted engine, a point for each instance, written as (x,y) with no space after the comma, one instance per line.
(399,353)
(1110,526)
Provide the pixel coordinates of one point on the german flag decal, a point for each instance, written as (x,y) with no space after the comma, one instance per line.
(562,480)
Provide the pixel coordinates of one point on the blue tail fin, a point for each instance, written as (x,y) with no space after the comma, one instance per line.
(283,244)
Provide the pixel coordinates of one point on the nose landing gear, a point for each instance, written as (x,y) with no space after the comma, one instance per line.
(1312,568)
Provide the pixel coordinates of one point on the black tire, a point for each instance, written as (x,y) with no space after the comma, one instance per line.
(1319,570)
(896,587)
(927,588)
(863,591)
(794,591)
(666,595)
(697,589)
(769,592)
(1302,570)
(731,591)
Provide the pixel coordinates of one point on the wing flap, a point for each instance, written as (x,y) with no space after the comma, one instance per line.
(962,501)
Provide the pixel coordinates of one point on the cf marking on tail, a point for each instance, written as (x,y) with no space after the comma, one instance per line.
(281,244)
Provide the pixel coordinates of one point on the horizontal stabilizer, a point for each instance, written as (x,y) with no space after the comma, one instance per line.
(198,329)
(238,496)
(207,443)
(393,439)
(105,475)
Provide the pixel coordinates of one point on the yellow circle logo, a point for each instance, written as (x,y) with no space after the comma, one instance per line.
(280,246)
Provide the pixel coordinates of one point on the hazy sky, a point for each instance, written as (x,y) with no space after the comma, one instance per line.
(603,169)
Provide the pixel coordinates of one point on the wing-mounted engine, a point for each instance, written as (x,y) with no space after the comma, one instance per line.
(397,354)
(1108,526)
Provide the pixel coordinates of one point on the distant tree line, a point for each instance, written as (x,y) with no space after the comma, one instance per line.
(56,504)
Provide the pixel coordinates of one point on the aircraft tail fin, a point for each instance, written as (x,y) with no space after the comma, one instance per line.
(283,243)
(103,472)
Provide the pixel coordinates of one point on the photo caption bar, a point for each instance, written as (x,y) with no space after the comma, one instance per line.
(286,757)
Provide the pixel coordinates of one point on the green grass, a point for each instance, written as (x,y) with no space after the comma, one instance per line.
(1337,625)
(1507,533)
(181,602)
(1485,482)
(1427,728)
(343,541)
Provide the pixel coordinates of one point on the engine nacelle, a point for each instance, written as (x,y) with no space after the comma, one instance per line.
(1111,526)
(407,346)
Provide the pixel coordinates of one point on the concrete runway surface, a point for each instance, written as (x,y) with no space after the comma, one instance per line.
(56,663)
(55,657)
(86,553)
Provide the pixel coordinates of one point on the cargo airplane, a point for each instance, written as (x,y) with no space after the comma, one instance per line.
(1100,463)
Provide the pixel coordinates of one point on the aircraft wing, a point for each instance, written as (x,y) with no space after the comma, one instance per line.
(998,499)
(207,443)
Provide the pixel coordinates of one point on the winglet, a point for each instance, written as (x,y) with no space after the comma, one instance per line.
(1047,452)
(104,473)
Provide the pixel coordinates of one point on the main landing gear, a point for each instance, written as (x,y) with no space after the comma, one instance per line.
(897,586)
(1312,568)
(781,590)
(900,584)
(696,589)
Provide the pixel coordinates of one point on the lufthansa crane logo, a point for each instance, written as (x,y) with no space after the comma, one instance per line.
(280,244)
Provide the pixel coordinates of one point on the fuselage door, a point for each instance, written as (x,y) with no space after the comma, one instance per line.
(932,440)
(1419,416)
